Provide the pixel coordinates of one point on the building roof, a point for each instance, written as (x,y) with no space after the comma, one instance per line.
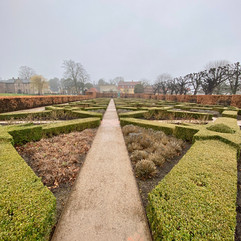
(129,83)
(92,90)
(12,81)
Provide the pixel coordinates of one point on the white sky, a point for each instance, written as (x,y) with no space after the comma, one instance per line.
(130,38)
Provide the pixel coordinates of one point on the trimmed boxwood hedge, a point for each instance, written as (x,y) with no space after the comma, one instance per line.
(229,138)
(230,113)
(133,114)
(168,129)
(68,126)
(86,114)
(25,134)
(197,199)
(27,206)
(9,116)
(186,132)
(189,114)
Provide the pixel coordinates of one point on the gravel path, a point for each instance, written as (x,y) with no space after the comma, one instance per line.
(38,109)
(105,203)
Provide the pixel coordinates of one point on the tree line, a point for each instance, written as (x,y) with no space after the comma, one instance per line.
(219,77)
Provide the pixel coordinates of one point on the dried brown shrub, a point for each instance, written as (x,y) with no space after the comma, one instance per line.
(130,129)
(145,169)
(157,158)
(138,155)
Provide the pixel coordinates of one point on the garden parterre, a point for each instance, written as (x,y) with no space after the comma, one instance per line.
(197,199)
(28,208)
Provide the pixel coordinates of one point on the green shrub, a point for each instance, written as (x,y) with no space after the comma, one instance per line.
(86,114)
(168,129)
(133,114)
(186,132)
(19,115)
(190,115)
(68,126)
(230,113)
(5,136)
(229,138)
(27,206)
(222,128)
(197,199)
(26,134)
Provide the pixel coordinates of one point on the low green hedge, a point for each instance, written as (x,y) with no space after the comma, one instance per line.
(197,199)
(27,206)
(186,132)
(133,114)
(19,115)
(24,134)
(229,138)
(168,129)
(5,136)
(126,108)
(230,113)
(68,126)
(53,108)
(86,114)
(95,108)
(189,114)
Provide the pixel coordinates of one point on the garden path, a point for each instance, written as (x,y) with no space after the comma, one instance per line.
(105,203)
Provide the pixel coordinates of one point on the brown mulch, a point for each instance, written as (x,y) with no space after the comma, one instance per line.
(57,161)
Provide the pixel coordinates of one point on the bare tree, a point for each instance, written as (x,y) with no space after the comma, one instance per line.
(234,77)
(116,80)
(195,80)
(216,64)
(212,78)
(182,84)
(75,74)
(162,83)
(172,86)
(26,72)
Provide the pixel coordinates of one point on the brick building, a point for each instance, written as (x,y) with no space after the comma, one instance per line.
(128,86)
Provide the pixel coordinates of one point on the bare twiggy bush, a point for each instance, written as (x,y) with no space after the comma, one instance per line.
(134,146)
(145,169)
(157,158)
(148,115)
(169,152)
(138,155)
(130,129)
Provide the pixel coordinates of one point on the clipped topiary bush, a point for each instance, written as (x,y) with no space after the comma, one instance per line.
(221,128)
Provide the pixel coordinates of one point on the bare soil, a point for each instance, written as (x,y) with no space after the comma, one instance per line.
(58,160)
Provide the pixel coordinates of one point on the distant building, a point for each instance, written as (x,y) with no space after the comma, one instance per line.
(16,86)
(128,86)
(19,86)
(92,90)
(108,89)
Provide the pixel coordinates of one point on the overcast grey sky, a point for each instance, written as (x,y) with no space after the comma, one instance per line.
(130,38)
